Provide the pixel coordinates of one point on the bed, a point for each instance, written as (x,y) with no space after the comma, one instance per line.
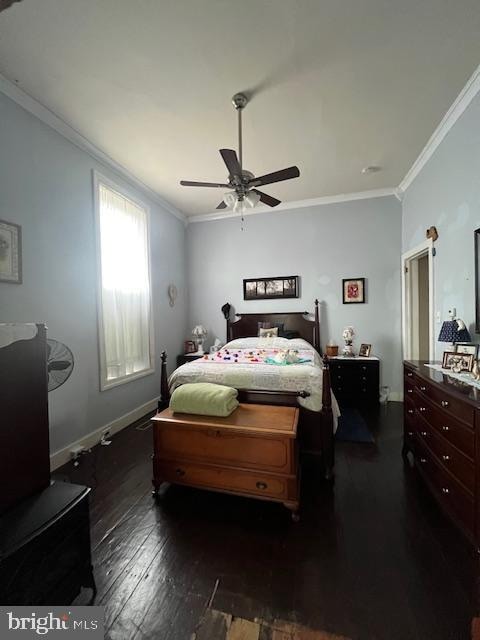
(255,367)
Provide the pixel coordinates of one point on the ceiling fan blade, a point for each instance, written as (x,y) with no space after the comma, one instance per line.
(190,183)
(230,158)
(266,199)
(276,176)
(222,205)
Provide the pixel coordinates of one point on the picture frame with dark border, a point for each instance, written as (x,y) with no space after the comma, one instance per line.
(10,252)
(353,290)
(271,288)
(450,358)
(365,350)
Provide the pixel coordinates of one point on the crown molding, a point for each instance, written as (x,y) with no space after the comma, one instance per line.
(299,204)
(48,117)
(464,98)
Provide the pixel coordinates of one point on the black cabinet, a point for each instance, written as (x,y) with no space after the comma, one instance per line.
(187,357)
(45,548)
(355,381)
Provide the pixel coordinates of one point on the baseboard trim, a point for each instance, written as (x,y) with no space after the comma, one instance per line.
(60,457)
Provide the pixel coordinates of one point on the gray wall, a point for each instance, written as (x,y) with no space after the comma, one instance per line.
(322,245)
(446,193)
(46,186)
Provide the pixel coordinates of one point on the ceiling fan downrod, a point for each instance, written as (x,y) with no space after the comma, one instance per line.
(240,101)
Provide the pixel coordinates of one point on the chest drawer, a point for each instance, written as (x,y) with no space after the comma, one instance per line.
(237,481)
(219,446)
(451,495)
(456,432)
(448,456)
(454,406)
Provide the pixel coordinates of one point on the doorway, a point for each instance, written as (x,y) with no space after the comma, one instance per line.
(417,299)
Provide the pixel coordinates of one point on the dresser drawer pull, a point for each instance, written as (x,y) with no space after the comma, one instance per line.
(422,388)
(410,433)
(423,409)
(410,411)
(446,458)
(261,485)
(364,368)
(364,378)
(409,390)
(423,460)
(424,434)
(180,472)
(339,377)
(445,490)
(410,374)
(445,428)
(445,403)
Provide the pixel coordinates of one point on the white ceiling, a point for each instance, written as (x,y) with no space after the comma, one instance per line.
(337,84)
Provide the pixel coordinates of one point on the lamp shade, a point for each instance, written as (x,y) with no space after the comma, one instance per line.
(199,331)
(450,332)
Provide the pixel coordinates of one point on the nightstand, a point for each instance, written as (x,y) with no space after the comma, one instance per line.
(183,358)
(355,381)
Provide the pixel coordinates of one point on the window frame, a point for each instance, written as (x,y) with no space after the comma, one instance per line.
(124,192)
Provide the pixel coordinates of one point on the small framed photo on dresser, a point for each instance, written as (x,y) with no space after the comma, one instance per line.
(468,348)
(457,362)
(365,350)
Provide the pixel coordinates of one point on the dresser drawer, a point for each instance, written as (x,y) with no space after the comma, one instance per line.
(448,456)
(461,410)
(451,495)
(219,446)
(457,433)
(231,480)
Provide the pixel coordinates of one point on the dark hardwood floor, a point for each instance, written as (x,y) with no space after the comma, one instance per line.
(371,559)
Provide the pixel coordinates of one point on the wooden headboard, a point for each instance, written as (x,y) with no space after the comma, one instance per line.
(246,325)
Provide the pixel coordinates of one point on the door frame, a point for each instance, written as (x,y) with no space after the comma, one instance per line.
(408,257)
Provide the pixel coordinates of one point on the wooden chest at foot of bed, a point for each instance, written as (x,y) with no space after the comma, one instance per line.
(253,452)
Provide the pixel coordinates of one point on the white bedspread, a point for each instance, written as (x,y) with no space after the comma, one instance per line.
(294,377)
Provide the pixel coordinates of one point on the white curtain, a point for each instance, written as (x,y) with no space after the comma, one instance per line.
(125,285)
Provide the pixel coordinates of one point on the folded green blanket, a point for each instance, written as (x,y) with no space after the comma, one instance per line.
(205,399)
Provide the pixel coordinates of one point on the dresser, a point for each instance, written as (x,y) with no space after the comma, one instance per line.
(183,358)
(253,452)
(355,381)
(441,419)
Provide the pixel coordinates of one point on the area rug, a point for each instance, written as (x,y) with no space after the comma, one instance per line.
(352,427)
(217,625)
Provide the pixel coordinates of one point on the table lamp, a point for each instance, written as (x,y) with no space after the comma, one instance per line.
(454,330)
(199,332)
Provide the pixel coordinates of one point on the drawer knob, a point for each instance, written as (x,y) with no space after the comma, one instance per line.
(364,368)
(339,377)
(422,388)
(410,411)
(409,390)
(423,409)
(446,458)
(180,472)
(410,433)
(445,428)
(423,433)
(423,460)
(410,374)
(445,490)
(261,485)
(445,403)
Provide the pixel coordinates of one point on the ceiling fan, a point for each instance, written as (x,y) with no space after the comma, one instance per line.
(243,183)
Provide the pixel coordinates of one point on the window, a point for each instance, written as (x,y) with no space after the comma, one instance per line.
(125,319)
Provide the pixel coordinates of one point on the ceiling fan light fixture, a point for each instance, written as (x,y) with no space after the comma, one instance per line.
(252,199)
(230,198)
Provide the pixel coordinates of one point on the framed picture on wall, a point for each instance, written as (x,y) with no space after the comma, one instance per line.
(353,290)
(10,252)
(269,288)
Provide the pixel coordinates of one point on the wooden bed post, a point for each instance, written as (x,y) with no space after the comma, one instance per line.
(226,314)
(328,441)
(164,390)
(316,330)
